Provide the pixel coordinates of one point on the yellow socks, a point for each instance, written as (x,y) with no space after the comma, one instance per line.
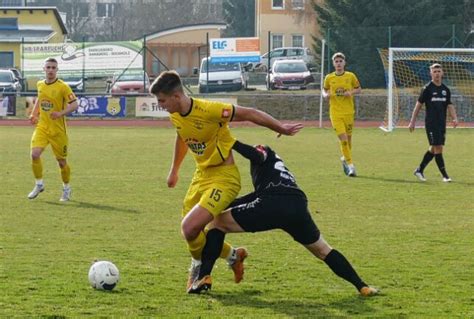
(37,166)
(66,174)
(196,246)
(346,151)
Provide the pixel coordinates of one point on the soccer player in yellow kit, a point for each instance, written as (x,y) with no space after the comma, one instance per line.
(55,101)
(340,87)
(202,127)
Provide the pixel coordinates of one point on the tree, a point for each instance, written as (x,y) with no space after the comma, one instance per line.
(359,28)
(240,18)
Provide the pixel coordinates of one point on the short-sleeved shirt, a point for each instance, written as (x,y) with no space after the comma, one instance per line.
(205,131)
(53,97)
(436,100)
(339,104)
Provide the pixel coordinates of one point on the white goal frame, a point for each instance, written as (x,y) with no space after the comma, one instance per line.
(390,82)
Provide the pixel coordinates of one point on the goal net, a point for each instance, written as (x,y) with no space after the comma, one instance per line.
(407,71)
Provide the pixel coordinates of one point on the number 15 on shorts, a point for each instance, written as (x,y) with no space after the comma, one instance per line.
(216,194)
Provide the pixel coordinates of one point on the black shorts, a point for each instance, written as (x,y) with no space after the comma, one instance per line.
(436,136)
(278,211)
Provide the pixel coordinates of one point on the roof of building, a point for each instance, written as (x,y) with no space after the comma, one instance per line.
(45,9)
(183,28)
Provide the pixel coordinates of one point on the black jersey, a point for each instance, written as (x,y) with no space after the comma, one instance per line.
(436,100)
(268,171)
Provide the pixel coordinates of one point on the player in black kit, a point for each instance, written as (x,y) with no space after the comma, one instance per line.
(437,98)
(276,203)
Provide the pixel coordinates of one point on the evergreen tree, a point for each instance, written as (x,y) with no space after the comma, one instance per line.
(359,28)
(240,18)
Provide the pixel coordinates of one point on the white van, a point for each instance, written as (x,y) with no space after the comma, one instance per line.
(223,76)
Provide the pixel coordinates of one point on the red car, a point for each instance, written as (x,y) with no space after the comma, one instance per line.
(128,83)
(289,74)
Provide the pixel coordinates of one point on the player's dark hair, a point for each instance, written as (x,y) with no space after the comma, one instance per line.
(167,83)
(435,66)
(50,60)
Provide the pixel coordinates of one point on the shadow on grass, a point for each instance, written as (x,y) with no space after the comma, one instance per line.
(85,205)
(390,180)
(404,181)
(297,307)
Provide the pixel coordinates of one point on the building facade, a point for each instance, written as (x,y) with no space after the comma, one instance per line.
(290,23)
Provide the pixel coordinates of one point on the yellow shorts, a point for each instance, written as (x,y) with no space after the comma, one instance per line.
(59,142)
(213,189)
(343,124)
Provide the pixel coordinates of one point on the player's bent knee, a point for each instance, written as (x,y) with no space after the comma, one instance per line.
(189,231)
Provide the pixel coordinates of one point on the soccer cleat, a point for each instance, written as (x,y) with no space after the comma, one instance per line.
(201,285)
(345,167)
(368,291)
(193,272)
(66,194)
(35,192)
(419,175)
(352,171)
(447,180)
(237,264)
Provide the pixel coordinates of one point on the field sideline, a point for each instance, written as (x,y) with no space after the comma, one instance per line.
(413,240)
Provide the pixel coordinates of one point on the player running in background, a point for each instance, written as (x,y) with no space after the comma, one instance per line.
(202,127)
(437,99)
(340,86)
(55,101)
(276,203)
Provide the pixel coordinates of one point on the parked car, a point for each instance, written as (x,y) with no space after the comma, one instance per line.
(76,83)
(20,78)
(287,53)
(8,81)
(223,76)
(128,83)
(289,74)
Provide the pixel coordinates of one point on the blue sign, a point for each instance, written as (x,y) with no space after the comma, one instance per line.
(240,59)
(100,106)
(219,45)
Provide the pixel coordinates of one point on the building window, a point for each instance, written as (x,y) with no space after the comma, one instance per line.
(83,10)
(11,3)
(278,4)
(297,40)
(8,24)
(277,41)
(106,10)
(297,4)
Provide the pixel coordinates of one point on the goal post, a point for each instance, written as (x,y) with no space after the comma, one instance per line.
(407,71)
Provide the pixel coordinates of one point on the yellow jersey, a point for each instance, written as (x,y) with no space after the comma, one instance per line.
(205,131)
(53,97)
(340,105)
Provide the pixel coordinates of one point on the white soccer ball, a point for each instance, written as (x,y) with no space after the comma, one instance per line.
(103,275)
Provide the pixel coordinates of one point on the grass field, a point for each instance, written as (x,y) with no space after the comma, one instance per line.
(412,240)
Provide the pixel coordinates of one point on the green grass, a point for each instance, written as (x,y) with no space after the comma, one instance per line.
(413,240)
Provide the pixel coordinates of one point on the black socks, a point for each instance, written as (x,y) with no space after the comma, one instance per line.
(341,267)
(440,162)
(426,160)
(211,251)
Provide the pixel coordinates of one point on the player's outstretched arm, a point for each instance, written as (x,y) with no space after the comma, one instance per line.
(266,120)
(251,153)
